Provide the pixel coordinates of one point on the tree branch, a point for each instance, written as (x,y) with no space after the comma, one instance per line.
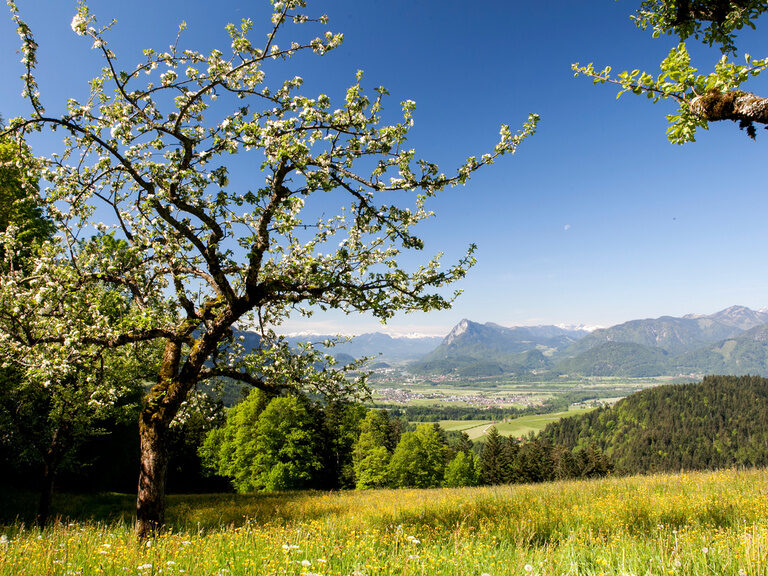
(743,107)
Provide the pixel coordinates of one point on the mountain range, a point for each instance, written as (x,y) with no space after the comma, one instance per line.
(473,349)
(381,348)
(732,341)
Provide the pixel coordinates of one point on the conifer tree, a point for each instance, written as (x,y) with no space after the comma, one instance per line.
(491,458)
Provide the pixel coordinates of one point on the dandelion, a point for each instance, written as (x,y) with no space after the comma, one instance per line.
(3,539)
(144,567)
(306,563)
(704,550)
(527,567)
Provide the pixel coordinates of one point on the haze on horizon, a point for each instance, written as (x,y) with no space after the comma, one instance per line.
(325,328)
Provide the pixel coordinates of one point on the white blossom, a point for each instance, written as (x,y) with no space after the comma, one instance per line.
(79,24)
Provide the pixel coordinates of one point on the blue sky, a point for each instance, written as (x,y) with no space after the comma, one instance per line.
(596,220)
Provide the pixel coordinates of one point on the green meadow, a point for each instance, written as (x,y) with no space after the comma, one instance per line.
(517,427)
(694,523)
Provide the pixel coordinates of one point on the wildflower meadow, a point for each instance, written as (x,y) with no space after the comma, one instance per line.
(688,523)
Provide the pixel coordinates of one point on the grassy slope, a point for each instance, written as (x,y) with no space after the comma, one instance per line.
(697,524)
(518,427)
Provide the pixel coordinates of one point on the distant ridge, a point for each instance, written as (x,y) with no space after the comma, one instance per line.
(731,341)
(473,349)
(393,349)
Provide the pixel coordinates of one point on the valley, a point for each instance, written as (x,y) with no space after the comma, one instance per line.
(516,407)
(509,392)
(487,367)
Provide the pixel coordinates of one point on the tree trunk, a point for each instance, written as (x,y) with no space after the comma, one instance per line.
(150,500)
(52,458)
(160,406)
(46,495)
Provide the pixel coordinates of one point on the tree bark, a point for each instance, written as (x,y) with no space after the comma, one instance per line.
(738,106)
(159,409)
(150,498)
(52,457)
(161,405)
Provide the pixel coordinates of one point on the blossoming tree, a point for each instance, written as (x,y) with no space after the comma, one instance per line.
(141,199)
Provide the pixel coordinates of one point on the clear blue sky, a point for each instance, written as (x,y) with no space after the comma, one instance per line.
(596,220)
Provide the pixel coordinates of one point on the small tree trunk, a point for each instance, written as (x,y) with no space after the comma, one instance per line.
(150,501)
(52,458)
(46,495)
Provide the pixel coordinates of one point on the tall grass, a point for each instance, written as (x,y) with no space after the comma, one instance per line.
(708,523)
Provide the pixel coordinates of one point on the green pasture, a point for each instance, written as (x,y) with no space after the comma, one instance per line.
(517,427)
(534,423)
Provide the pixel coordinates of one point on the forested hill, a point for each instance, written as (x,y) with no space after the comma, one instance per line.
(719,422)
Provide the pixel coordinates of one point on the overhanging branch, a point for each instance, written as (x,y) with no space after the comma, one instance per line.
(743,107)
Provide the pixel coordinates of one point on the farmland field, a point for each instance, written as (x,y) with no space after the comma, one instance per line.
(472,428)
(515,427)
(693,524)
(534,423)
(504,392)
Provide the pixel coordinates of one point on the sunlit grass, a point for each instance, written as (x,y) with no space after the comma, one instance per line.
(711,523)
(524,425)
(517,427)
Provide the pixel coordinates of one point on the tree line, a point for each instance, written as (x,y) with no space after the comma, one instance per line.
(719,422)
(289,442)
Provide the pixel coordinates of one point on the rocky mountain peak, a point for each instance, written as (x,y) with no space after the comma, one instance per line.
(741,317)
(457,331)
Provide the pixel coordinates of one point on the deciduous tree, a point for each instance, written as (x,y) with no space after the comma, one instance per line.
(461,470)
(419,459)
(373,450)
(44,422)
(151,147)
